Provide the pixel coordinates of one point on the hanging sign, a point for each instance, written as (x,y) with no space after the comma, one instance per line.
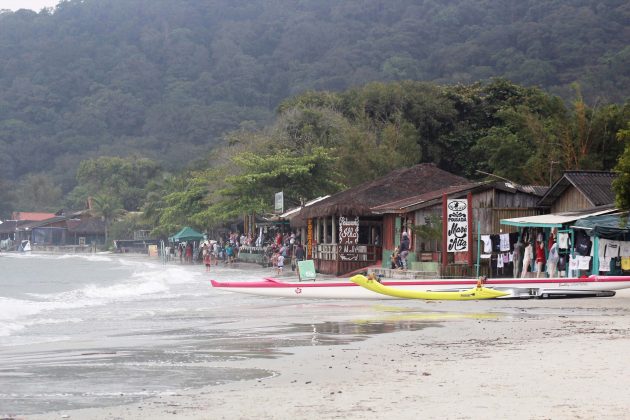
(457,235)
(348,238)
(309,239)
(279,202)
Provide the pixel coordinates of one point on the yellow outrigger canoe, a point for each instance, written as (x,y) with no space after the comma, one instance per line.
(476,293)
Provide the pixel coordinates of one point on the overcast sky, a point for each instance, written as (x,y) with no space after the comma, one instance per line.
(36,5)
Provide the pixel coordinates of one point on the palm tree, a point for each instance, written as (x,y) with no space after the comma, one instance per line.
(108,207)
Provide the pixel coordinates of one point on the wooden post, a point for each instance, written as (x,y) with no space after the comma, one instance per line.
(470,230)
(444,232)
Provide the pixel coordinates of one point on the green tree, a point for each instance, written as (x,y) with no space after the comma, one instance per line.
(108,207)
(301,178)
(38,193)
(7,199)
(125,178)
(621,185)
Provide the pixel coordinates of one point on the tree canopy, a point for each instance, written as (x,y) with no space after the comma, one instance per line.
(166,80)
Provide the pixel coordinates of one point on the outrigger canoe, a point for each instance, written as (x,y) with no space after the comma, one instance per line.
(476,293)
(516,288)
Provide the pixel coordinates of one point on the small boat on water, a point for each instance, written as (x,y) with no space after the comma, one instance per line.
(591,286)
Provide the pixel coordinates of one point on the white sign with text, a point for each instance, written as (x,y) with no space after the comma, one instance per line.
(457,235)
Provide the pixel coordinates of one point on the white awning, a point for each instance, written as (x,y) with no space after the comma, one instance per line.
(554,219)
(294,210)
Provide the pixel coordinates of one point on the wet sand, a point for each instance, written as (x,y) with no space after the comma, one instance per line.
(531,359)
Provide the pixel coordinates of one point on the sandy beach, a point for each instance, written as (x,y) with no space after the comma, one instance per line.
(524,359)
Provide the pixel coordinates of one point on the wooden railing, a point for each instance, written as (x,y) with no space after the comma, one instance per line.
(341,259)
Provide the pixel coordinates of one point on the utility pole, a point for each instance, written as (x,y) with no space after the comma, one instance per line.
(551,163)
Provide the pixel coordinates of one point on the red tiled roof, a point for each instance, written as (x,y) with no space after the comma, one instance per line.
(31,216)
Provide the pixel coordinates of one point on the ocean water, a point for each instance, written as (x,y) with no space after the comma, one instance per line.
(97,330)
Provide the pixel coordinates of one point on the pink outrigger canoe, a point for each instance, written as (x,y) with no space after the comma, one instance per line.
(600,286)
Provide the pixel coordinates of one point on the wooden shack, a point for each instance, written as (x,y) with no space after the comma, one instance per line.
(344,234)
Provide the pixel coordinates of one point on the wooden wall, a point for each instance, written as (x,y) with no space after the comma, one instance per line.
(570,200)
(389,228)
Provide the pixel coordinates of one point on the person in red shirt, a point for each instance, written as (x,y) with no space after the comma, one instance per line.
(540,258)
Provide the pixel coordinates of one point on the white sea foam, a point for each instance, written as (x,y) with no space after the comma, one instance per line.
(16,308)
(86,257)
(148,280)
(14,313)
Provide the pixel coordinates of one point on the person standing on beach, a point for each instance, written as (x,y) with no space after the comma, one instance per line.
(207,257)
(189,253)
(280,264)
(404,250)
(274,260)
(229,252)
(299,253)
(215,252)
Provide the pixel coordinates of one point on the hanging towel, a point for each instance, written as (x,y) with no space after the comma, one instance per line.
(584,262)
(612,250)
(504,239)
(563,240)
(487,243)
(601,252)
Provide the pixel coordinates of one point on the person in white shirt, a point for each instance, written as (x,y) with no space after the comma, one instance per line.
(280,264)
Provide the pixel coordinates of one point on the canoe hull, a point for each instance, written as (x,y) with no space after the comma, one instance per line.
(345,289)
(476,293)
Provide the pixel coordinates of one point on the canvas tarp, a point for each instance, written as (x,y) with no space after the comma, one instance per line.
(556,220)
(186,234)
(609,226)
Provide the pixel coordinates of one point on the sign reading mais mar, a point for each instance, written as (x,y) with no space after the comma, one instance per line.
(457,228)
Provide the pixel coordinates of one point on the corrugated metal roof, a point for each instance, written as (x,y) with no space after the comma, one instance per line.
(42,223)
(410,203)
(596,186)
(89,225)
(455,191)
(292,212)
(556,219)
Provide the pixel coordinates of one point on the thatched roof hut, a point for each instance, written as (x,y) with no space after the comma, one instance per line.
(398,184)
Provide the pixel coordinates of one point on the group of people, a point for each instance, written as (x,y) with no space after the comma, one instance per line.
(286,247)
(208,252)
(282,247)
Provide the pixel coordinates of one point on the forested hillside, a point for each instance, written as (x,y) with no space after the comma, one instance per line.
(166,79)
